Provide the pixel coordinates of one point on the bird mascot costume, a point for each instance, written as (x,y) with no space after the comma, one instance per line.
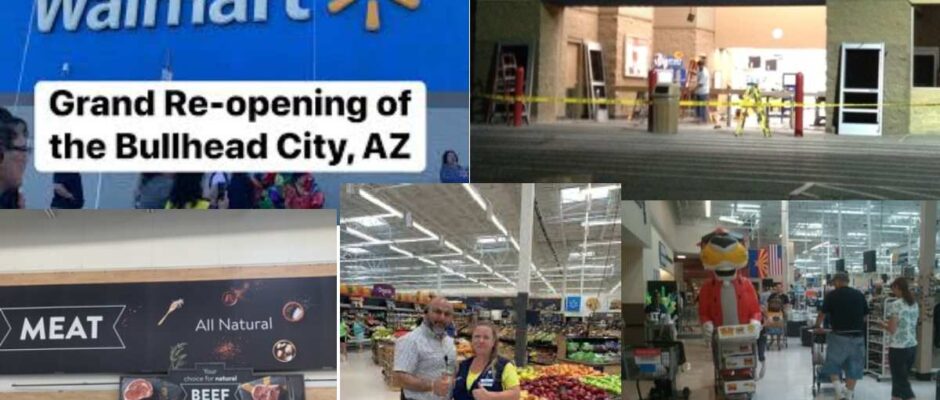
(727,298)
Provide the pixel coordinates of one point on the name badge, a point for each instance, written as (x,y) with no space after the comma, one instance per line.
(487,382)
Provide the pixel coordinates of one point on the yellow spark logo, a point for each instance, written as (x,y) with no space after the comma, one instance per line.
(372,14)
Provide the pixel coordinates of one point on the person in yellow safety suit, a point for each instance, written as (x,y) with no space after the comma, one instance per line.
(752,99)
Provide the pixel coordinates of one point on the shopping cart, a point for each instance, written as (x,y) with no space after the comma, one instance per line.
(734,351)
(819,357)
(659,363)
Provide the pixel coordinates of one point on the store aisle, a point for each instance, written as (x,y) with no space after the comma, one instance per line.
(361,379)
(788,377)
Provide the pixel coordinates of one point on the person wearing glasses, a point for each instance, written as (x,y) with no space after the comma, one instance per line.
(426,358)
(14,154)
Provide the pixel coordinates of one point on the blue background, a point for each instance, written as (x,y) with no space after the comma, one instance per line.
(430,44)
(573,304)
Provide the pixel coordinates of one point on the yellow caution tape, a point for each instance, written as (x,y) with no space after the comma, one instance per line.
(692,103)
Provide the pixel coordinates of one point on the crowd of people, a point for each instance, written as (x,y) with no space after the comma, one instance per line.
(157,190)
(845,309)
(220,190)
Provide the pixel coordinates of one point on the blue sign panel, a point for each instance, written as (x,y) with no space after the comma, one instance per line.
(573,304)
(233,40)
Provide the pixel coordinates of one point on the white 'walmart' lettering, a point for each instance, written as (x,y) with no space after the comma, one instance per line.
(106,15)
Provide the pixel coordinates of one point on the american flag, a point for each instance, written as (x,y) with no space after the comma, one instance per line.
(775,266)
(770,261)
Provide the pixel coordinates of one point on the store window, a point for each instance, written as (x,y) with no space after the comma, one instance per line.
(926,68)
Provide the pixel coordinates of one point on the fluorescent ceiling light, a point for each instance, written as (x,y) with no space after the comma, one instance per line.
(452,247)
(601,222)
(826,243)
(730,220)
(360,235)
(580,267)
(476,196)
(486,267)
(574,195)
(473,260)
(708,208)
(615,287)
(407,253)
(594,244)
(514,243)
(375,200)
(499,225)
(426,261)
(370,222)
(748,206)
(424,230)
(452,262)
(576,254)
(491,239)
(355,250)
(680,257)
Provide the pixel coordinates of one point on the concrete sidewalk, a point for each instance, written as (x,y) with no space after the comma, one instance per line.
(704,163)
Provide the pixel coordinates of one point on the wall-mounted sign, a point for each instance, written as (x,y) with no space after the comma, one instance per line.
(212,381)
(278,324)
(665,259)
(573,304)
(383,291)
(636,57)
(253,39)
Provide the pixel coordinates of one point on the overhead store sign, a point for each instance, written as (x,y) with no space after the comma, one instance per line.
(213,381)
(60,328)
(233,40)
(278,324)
(573,304)
(703,3)
(127,14)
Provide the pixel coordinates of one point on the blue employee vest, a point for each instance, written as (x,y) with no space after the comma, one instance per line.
(491,379)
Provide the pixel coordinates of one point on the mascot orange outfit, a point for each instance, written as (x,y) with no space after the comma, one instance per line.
(727,298)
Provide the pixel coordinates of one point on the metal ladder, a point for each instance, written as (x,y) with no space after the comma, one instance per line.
(504,84)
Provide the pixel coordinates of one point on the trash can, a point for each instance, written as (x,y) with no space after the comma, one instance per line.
(666,108)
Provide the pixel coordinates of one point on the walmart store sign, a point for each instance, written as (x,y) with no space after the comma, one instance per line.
(129,14)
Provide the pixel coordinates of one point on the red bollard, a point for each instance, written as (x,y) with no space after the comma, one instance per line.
(517,112)
(798,98)
(652,79)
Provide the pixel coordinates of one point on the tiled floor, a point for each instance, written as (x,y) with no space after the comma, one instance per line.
(788,377)
(360,379)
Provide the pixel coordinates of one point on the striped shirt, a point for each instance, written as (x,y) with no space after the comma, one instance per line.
(422,354)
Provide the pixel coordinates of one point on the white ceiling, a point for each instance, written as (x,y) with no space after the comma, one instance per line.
(819,228)
(459,239)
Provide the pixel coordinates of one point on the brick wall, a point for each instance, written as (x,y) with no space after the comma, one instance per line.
(874,21)
(926,119)
(615,24)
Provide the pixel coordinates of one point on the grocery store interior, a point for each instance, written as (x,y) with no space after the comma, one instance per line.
(799,245)
(402,245)
(49,254)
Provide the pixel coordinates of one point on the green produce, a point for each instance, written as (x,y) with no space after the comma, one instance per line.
(609,383)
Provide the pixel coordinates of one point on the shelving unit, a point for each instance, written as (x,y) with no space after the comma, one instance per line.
(876,363)
(612,367)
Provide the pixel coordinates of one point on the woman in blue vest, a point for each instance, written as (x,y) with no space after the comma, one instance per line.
(486,375)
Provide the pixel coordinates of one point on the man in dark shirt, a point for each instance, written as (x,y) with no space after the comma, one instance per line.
(67,190)
(779,294)
(845,345)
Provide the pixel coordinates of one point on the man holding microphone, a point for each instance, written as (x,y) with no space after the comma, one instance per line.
(426,358)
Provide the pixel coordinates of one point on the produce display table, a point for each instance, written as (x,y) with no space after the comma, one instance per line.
(611,368)
(386,359)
